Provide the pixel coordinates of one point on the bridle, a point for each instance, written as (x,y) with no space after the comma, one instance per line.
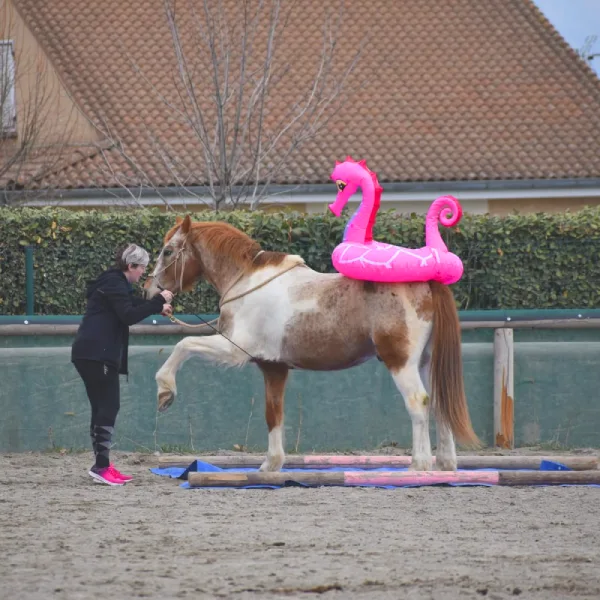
(173,262)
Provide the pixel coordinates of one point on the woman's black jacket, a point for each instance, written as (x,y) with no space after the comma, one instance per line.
(103,334)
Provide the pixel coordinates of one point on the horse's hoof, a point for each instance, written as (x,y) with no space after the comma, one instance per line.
(271,465)
(165,399)
(445,465)
(421,465)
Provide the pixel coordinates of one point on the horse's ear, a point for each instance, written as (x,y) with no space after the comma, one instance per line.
(178,220)
(185,226)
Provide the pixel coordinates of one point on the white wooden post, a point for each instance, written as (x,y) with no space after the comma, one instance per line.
(504,410)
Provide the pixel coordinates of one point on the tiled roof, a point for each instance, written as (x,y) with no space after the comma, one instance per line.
(48,164)
(460,90)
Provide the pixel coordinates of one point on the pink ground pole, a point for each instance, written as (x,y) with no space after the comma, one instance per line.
(392,478)
(359,461)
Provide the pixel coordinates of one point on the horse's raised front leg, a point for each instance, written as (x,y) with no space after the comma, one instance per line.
(275,375)
(217,349)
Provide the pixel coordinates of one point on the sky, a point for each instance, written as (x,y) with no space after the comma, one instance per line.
(575,20)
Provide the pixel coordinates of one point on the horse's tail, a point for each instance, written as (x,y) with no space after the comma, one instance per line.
(447,382)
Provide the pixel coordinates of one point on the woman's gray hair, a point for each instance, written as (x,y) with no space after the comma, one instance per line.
(133,255)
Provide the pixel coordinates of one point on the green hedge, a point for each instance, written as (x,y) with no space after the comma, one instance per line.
(531,261)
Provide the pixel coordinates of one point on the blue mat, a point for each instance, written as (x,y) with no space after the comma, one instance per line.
(202,467)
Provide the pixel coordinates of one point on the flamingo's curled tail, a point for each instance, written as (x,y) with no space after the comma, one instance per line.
(448,211)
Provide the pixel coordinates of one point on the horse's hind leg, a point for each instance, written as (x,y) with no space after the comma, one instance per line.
(402,358)
(445,455)
(409,382)
(275,375)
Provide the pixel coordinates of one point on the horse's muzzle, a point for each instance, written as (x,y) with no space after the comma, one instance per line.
(152,287)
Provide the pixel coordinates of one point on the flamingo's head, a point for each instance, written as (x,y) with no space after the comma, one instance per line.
(348,176)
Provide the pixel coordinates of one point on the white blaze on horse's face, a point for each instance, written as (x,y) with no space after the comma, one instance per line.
(172,262)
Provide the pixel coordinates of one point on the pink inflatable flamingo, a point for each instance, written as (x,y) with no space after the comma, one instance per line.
(360,257)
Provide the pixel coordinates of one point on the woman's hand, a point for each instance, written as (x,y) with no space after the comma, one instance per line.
(167,295)
(167,309)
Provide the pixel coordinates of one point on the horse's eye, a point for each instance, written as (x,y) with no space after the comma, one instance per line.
(168,252)
(340,185)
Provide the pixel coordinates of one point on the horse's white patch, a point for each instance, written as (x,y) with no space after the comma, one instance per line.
(260,318)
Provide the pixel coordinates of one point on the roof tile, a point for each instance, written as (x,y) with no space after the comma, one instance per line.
(469,89)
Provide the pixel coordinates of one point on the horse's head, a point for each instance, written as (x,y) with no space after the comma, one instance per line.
(349,176)
(178,266)
(212,250)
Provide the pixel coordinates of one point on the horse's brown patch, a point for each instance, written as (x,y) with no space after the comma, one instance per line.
(275,375)
(222,239)
(169,235)
(327,292)
(269,259)
(336,334)
(192,270)
(393,346)
(421,299)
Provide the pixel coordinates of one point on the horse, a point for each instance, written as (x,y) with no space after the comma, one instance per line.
(280,314)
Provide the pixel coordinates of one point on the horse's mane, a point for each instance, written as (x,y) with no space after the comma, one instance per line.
(223,239)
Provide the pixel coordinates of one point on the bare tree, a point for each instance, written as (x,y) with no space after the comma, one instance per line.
(33,138)
(586,51)
(229,77)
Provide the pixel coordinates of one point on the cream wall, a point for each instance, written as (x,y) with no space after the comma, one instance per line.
(535,205)
(494,207)
(404,207)
(39,91)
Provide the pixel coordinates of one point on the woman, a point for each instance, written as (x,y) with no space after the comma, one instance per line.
(99,351)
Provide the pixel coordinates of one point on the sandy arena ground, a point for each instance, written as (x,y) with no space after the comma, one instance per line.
(64,537)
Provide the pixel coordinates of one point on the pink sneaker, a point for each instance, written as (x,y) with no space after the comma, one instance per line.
(106,475)
(119,474)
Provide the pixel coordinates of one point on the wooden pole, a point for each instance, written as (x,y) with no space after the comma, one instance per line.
(397,479)
(591,323)
(577,463)
(224,479)
(504,410)
(66,329)
(548,477)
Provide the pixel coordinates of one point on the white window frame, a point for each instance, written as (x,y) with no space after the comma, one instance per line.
(8,118)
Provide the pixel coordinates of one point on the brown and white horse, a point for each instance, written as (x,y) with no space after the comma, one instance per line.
(282,315)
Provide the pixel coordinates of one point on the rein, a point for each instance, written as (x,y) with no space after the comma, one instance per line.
(256,287)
